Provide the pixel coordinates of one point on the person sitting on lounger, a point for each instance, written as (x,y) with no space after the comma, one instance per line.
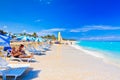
(15,53)
(20,53)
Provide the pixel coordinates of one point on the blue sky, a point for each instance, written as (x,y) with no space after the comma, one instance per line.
(79,19)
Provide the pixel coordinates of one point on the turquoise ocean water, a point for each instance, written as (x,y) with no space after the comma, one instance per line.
(109,49)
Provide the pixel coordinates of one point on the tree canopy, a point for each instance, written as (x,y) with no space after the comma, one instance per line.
(52,37)
(2,32)
(49,37)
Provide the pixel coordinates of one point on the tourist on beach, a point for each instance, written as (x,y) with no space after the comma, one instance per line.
(15,53)
(71,43)
(20,53)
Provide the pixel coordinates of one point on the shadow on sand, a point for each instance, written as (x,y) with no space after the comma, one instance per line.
(30,74)
(42,54)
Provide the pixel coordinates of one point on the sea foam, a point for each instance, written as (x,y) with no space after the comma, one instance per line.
(90,52)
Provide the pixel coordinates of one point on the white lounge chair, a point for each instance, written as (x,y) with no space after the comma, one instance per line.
(46,47)
(22,59)
(14,70)
(41,48)
(33,50)
(18,59)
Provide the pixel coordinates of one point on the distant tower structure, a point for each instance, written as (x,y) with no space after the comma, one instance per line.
(59,37)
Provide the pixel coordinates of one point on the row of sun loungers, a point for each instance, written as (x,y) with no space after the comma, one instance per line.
(16,70)
(38,50)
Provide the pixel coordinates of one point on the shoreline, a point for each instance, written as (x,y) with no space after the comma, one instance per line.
(64,62)
(94,53)
(98,54)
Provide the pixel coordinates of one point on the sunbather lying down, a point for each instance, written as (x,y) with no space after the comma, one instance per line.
(20,53)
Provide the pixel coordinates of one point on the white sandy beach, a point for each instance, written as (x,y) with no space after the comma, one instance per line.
(68,63)
(64,62)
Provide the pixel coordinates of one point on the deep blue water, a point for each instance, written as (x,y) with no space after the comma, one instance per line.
(110,49)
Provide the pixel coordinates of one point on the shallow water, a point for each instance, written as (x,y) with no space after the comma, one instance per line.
(110,50)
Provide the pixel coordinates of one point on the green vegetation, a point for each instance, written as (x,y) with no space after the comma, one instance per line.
(26,34)
(2,32)
(52,37)
(70,39)
(34,35)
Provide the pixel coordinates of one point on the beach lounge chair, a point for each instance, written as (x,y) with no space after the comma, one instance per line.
(46,47)
(11,70)
(18,59)
(41,48)
(22,59)
(31,49)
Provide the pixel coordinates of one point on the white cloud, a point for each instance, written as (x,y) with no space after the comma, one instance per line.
(48,2)
(89,28)
(44,33)
(50,31)
(102,38)
(24,31)
(4,27)
(55,29)
(38,20)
